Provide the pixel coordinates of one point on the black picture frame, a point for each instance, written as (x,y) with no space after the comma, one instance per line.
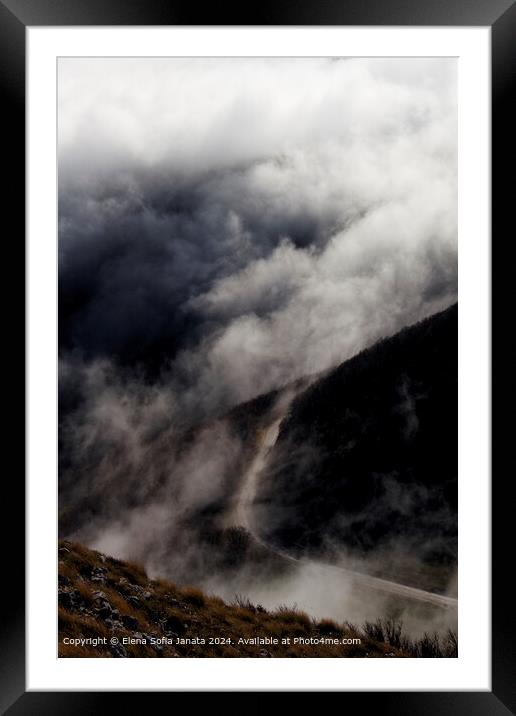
(500,16)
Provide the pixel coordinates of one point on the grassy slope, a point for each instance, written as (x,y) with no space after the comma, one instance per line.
(103,597)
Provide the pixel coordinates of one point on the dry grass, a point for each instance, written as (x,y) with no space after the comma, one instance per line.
(66,570)
(162,586)
(291,615)
(132,571)
(86,590)
(80,625)
(213,601)
(241,614)
(126,608)
(210,617)
(135,568)
(328,626)
(193,596)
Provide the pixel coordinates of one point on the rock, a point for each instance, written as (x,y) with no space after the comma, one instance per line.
(146,595)
(157,647)
(134,600)
(63,581)
(118,651)
(98,574)
(129,622)
(264,654)
(69,598)
(65,600)
(104,610)
(102,606)
(153,615)
(173,624)
(63,550)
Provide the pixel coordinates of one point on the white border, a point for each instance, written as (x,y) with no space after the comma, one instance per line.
(471,670)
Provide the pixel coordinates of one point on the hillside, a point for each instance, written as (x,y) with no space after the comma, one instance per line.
(110,608)
(366,460)
(364,468)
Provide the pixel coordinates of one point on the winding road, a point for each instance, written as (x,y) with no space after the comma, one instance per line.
(242,518)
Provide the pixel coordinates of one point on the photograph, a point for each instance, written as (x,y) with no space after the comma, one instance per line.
(261,451)
(257,357)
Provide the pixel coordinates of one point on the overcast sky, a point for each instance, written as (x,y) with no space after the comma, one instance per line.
(231,224)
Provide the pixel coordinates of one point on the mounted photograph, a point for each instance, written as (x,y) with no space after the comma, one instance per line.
(257,357)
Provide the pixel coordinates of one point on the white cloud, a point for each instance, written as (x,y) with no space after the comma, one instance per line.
(357,157)
(201,113)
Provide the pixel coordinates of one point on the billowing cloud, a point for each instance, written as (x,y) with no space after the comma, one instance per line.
(227,226)
(243,221)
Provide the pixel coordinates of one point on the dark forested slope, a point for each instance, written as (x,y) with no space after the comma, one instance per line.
(366,459)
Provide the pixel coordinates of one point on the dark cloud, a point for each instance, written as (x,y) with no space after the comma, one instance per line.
(226,227)
(182,182)
(132,261)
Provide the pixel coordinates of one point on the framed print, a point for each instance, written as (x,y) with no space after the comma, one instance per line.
(258,366)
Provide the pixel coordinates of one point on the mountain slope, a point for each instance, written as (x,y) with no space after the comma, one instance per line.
(110,608)
(366,460)
(365,467)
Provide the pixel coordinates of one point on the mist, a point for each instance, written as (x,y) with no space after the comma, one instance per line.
(228,227)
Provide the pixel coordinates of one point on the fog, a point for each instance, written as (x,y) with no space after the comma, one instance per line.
(226,227)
